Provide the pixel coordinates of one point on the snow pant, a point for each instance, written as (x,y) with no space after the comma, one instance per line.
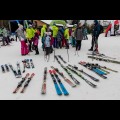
(67,43)
(70,39)
(85,37)
(36,49)
(78,44)
(94,43)
(55,42)
(73,42)
(30,45)
(59,44)
(43,40)
(48,50)
(63,42)
(24,48)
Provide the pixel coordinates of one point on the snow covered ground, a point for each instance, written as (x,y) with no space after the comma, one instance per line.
(107,89)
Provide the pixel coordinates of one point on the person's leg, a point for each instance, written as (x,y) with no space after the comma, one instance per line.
(30,44)
(22,48)
(92,43)
(79,44)
(96,44)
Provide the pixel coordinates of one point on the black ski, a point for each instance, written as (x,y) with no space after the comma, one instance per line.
(76,68)
(7,68)
(67,71)
(24,65)
(3,69)
(14,71)
(27,83)
(19,71)
(21,83)
(78,74)
(105,60)
(43,91)
(62,59)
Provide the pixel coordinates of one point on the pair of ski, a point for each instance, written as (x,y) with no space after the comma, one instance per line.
(97,71)
(28,63)
(57,80)
(19,74)
(100,55)
(26,83)
(103,68)
(5,68)
(105,60)
(68,72)
(68,69)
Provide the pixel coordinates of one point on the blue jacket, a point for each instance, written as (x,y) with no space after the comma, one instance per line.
(96,29)
(47,41)
(60,35)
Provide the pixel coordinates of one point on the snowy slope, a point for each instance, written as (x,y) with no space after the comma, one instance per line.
(107,89)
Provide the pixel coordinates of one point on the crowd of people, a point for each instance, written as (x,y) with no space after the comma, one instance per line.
(5,36)
(55,36)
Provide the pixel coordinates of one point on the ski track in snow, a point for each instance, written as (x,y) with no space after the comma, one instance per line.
(107,89)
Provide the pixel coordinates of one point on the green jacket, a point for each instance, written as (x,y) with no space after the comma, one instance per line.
(43,30)
(55,31)
(30,33)
(66,34)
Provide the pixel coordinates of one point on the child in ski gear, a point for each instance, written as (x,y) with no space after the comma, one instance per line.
(43,30)
(22,39)
(95,35)
(66,36)
(35,42)
(47,44)
(78,36)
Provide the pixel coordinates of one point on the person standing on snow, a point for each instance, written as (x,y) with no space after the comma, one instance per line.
(78,36)
(66,36)
(29,35)
(4,33)
(73,39)
(95,35)
(22,39)
(60,37)
(43,30)
(55,32)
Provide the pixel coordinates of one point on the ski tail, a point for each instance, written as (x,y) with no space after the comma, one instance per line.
(58,91)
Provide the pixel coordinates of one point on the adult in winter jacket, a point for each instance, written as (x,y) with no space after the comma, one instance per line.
(55,32)
(60,37)
(66,36)
(29,35)
(95,35)
(78,36)
(4,33)
(22,39)
(43,31)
